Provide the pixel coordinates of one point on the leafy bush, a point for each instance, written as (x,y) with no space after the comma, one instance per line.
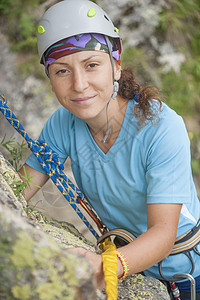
(20,23)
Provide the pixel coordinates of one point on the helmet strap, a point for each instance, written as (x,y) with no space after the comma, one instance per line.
(107,131)
(115,83)
(115,87)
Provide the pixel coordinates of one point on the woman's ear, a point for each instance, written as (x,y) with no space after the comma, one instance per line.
(117,70)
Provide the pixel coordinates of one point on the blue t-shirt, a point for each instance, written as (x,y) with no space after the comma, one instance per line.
(144,166)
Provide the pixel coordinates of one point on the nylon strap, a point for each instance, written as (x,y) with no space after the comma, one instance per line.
(109,259)
(188,240)
(125,235)
(182,243)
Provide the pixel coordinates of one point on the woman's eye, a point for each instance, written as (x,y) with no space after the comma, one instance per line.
(92,65)
(62,71)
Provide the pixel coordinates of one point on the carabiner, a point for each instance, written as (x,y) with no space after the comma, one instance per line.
(102,228)
(3,97)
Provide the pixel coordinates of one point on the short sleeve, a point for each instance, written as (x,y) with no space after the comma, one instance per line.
(55,134)
(168,163)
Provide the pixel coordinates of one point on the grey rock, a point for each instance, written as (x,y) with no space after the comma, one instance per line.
(35,262)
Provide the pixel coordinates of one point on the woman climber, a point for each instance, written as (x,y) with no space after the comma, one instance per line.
(129,151)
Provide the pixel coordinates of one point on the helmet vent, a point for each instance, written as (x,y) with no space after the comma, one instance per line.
(106,18)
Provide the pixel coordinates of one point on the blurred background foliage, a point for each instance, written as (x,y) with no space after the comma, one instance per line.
(179,23)
(183,90)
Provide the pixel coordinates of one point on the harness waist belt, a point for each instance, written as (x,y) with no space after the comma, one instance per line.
(188,240)
(185,242)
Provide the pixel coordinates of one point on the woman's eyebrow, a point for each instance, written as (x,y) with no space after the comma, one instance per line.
(84,60)
(60,63)
(88,58)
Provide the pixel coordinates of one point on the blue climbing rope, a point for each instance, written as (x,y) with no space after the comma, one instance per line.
(50,162)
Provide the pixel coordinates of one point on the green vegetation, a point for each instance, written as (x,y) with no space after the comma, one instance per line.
(181,24)
(195,138)
(182,90)
(19,20)
(15,150)
(19,186)
(136,59)
(21,23)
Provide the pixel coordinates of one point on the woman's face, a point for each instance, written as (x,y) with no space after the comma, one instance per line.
(83,82)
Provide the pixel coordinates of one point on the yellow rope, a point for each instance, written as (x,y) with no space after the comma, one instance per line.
(109,258)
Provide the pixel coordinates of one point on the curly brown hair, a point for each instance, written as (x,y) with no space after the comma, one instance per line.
(129,87)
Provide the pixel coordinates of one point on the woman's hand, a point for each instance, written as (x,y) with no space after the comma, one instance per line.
(95,261)
(148,249)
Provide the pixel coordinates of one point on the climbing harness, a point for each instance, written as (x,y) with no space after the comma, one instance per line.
(183,243)
(54,168)
(188,240)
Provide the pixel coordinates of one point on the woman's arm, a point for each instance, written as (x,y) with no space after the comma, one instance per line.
(157,242)
(37,177)
(149,248)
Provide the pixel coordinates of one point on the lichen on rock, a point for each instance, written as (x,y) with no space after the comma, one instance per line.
(36,264)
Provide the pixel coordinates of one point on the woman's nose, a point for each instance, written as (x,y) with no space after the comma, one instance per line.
(80,81)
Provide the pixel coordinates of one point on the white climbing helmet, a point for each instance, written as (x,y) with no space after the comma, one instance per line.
(73,17)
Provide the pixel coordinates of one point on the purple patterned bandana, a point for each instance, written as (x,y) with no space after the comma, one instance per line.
(82,42)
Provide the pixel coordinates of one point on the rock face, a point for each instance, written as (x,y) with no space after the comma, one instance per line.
(32,264)
(35,262)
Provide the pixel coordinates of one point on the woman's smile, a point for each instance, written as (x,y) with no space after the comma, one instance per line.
(84,100)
